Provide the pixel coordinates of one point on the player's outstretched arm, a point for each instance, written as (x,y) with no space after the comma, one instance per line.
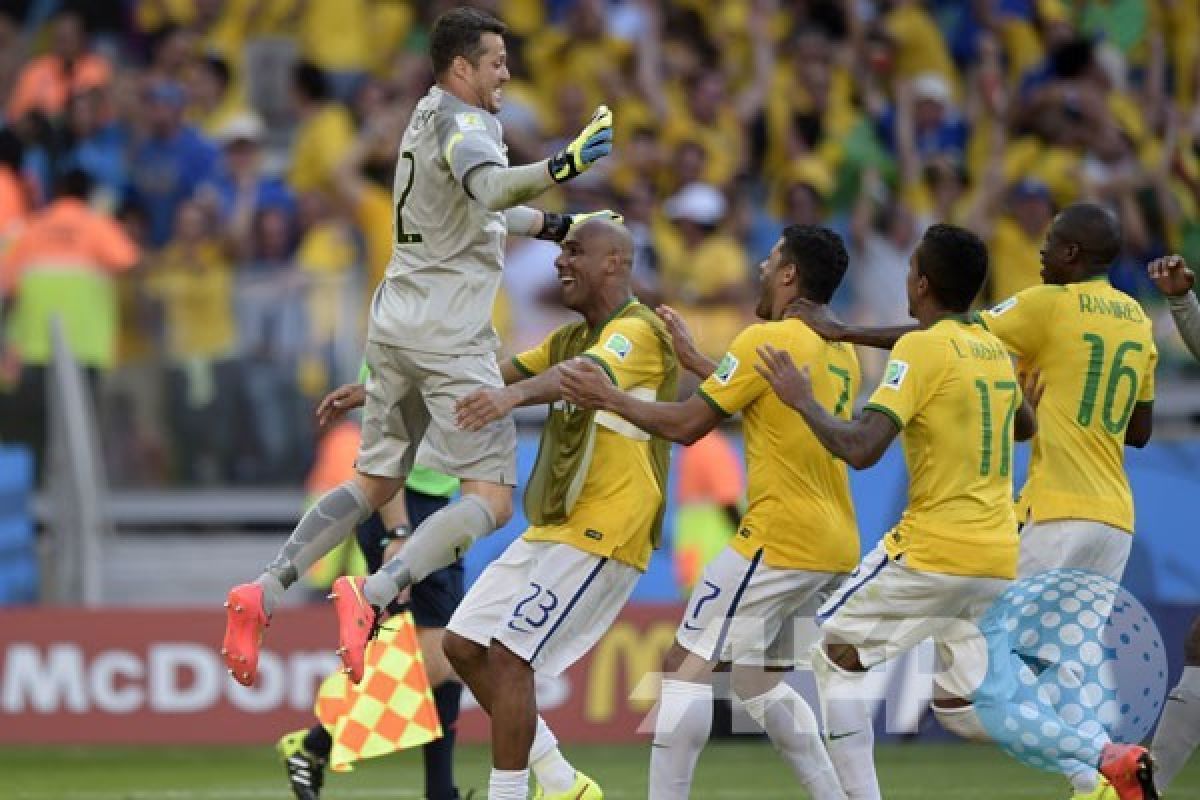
(860,442)
(1175,279)
(485,406)
(686,351)
(826,324)
(588,386)
(526,221)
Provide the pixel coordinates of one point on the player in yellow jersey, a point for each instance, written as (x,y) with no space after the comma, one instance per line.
(755,601)
(950,389)
(594,502)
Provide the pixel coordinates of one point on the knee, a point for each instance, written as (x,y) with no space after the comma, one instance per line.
(377,490)
(502,509)
(462,652)
(497,497)
(1191,648)
(958,716)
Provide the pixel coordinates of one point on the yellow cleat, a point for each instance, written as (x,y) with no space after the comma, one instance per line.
(1104,791)
(584,789)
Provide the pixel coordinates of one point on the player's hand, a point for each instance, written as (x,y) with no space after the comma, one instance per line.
(792,384)
(681,337)
(818,317)
(342,399)
(584,384)
(482,407)
(1032,386)
(1171,275)
(592,144)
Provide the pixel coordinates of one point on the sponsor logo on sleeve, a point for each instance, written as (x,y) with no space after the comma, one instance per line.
(894,376)
(619,346)
(1001,307)
(726,369)
(469,121)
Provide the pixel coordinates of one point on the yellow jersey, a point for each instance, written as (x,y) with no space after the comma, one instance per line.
(799,512)
(952,392)
(1016,259)
(1095,349)
(619,502)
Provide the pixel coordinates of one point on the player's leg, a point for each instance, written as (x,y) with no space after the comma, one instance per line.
(393,422)
(569,601)
(485,460)
(486,607)
(787,632)
(1178,731)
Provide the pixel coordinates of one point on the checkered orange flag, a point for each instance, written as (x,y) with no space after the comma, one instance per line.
(391,709)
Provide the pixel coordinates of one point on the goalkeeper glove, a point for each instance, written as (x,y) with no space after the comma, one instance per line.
(592,144)
(557,226)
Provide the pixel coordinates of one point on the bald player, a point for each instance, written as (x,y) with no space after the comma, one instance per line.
(594,502)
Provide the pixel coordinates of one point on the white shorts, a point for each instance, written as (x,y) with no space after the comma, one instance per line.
(1074,544)
(749,613)
(547,602)
(885,608)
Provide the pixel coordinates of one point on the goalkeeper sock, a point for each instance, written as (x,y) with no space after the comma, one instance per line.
(790,724)
(681,730)
(438,755)
(849,733)
(553,772)
(1179,729)
(324,526)
(437,542)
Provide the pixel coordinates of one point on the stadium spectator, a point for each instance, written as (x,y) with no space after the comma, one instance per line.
(324,134)
(96,143)
(60,266)
(14,193)
(47,81)
(212,101)
(170,161)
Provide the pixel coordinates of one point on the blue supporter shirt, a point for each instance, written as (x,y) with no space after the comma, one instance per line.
(165,172)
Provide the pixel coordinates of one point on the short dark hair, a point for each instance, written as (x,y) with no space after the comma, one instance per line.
(459,32)
(955,262)
(820,259)
(73,182)
(219,67)
(311,81)
(1094,229)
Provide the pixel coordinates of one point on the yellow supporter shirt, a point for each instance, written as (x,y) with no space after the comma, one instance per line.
(320,143)
(952,392)
(197,294)
(689,278)
(336,36)
(799,508)
(1095,349)
(374,213)
(1016,259)
(619,503)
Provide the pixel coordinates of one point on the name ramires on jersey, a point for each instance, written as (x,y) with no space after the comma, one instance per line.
(980,350)
(1102,305)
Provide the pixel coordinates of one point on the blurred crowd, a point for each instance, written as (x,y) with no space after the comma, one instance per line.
(201,189)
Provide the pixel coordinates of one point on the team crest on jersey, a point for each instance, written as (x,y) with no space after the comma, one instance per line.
(1001,307)
(469,121)
(894,376)
(726,368)
(619,346)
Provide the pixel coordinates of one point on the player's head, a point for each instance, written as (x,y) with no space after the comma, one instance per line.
(469,59)
(1083,241)
(946,271)
(596,262)
(808,261)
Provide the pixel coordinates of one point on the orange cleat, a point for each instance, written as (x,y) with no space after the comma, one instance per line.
(1130,770)
(358,621)
(245,620)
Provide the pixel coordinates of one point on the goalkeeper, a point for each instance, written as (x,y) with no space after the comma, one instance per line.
(430,341)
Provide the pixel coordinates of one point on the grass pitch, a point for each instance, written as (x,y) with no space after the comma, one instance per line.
(744,769)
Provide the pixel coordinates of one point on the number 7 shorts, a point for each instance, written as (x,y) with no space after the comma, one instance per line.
(547,602)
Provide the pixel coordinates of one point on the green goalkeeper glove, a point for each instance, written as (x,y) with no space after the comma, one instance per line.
(590,146)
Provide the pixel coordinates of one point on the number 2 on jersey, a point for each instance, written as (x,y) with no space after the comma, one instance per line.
(1117,371)
(989,432)
(401,236)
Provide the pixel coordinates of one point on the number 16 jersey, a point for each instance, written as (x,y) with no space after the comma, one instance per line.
(447,254)
(1094,347)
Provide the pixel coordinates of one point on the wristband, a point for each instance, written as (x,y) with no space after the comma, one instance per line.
(554,226)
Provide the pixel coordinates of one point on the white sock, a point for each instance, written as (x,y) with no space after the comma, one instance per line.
(681,730)
(553,772)
(790,723)
(849,734)
(506,784)
(1179,729)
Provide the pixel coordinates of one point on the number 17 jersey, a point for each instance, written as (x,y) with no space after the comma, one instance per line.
(448,248)
(1094,347)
